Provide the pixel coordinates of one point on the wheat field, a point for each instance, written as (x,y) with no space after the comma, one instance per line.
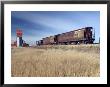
(56,61)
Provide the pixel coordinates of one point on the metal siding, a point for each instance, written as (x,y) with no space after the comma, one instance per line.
(80,34)
(68,36)
(17,41)
(75,35)
(21,41)
(51,39)
(46,41)
(60,38)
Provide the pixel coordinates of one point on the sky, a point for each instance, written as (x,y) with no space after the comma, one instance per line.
(39,24)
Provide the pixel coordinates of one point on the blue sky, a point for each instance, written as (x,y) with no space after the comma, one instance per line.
(38,24)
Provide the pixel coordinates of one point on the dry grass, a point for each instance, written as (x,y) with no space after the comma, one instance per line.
(53,61)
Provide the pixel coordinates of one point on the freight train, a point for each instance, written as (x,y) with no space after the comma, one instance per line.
(80,36)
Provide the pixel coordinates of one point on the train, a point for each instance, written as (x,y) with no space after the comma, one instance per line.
(84,35)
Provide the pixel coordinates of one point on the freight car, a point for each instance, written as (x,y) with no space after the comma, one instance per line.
(40,42)
(49,40)
(84,35)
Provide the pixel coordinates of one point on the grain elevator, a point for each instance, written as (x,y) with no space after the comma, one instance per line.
(19,38)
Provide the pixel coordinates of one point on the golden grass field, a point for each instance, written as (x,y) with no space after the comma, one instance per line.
(56,61)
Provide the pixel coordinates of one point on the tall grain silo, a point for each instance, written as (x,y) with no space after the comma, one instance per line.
(19,38)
